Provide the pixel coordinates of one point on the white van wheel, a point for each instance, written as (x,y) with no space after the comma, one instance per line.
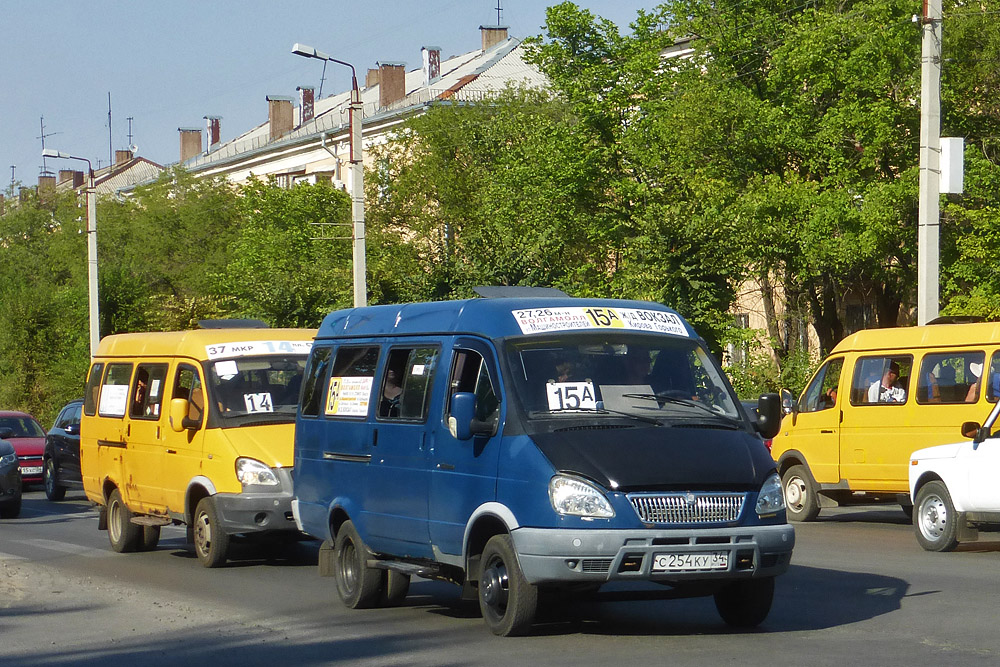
(508,602)
(124,535)
(358,585)
(935,518)
(211,541)
(801,500)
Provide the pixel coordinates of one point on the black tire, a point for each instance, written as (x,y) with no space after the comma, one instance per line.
(11,510)
(934,518)
(211,541)
(150,538)
(801,499)
(395,586)
(506,599)
(53,491)
(125,536)
(745,603)
(358,585)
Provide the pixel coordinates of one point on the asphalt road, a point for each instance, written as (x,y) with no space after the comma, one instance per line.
(860,592)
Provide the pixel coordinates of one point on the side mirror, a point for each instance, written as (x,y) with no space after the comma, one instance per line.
(975,431)
(72,429)
(462,423)
(769,409)
(178,415)
(6,433)
(787,402)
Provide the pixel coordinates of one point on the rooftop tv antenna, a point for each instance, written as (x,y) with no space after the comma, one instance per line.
(130,119)
(499,11)
(45,168)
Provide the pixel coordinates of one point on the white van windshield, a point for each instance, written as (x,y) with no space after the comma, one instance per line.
(666,379)
(254,389)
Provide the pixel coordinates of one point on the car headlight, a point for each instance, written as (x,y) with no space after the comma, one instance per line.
(253,472)
(771,498)
(8,458)
(575,497)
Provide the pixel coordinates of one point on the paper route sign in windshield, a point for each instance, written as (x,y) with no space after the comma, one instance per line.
(545,320)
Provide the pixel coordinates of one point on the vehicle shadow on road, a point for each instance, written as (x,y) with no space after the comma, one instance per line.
(806,598)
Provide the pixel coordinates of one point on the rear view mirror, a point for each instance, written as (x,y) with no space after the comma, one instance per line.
(72,429)
(463,423)
(787,402)
(769,409)
(178,415)
(975,431)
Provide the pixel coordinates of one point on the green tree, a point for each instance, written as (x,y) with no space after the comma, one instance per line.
(290,259)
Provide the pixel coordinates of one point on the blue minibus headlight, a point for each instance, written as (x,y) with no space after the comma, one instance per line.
(771,498)
(575,497)
(252,472)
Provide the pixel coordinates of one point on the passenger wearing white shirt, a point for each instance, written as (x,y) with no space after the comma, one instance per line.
(888,389)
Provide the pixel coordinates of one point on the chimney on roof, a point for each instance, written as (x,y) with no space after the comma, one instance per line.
(279,115)
(391,83)
(492,35)
(432,64)
(371,78)
(190,142)
(122,156)
(46,185)
(213,126)
(71,175)
(306,103)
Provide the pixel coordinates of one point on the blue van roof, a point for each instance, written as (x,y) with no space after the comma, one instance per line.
(499,317)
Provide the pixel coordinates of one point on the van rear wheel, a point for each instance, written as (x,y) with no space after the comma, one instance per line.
(508,602)
(935,518)
(125,536)
(211,541)
(358,585)
(801,500)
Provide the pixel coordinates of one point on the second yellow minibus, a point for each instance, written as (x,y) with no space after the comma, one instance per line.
(878,396)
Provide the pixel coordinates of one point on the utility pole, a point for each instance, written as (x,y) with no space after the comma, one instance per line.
(929,216)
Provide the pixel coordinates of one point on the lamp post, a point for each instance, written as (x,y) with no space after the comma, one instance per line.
(95,328)
(357,173)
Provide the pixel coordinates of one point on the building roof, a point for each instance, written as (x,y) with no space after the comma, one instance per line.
(464,78)
(118,177)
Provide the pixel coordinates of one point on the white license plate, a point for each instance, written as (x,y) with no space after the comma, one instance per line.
(31,470)
(715,560)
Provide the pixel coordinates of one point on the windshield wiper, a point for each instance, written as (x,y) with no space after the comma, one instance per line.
(666,398)
(609,411)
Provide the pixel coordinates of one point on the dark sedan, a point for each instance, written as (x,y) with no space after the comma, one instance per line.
(61,466)
(10,482)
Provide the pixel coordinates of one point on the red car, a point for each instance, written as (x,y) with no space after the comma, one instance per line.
(28,437)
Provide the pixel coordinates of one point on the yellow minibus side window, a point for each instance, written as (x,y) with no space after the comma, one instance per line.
(950,377)
(881,380)
(93,388)
(993,379)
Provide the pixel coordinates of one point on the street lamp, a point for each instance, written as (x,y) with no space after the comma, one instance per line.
(95,329)
(357,173)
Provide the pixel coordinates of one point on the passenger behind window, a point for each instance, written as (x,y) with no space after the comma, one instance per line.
(889,389)
(973,394)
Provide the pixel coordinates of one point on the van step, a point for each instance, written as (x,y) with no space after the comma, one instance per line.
(412,569)
(152,520)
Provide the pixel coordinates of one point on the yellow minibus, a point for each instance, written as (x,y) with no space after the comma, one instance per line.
(193,427)
(878,396)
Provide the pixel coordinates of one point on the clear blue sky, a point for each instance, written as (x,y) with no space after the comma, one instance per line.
(167,64)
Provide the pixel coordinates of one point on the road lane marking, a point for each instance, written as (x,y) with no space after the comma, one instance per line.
(66,547)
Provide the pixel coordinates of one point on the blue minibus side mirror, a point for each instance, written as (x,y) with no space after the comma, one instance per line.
(463,411)
(769,415)
(463,423)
